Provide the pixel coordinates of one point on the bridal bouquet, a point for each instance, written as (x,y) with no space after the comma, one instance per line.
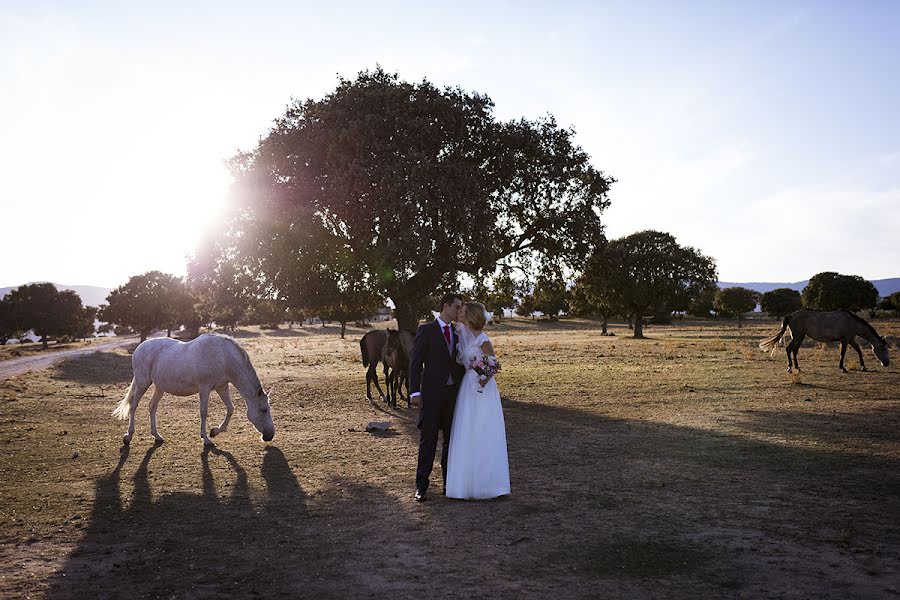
(486,366)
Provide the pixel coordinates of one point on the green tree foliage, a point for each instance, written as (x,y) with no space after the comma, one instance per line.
(550,294)
(501,295)
(649,271)
(589,300)
(781,302)
(892,303)
(703,303)
(412,182)
(735,302)
(833,291)
(9,328)
(45,310)
(222,284)
(526,305)
(266,312)
(146,303)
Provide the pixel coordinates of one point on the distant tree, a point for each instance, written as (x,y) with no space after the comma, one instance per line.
(592,301)
(526,306)
(501,295)
(735,302)
(703,303)
(146,303)
(9,328)
(833,291)
(649,270)
(45,310)
(413,182)
(781,302)
(550,294)
(266,312)
(892,303)
(83,327)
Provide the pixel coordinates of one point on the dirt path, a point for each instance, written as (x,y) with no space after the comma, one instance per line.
(17,366)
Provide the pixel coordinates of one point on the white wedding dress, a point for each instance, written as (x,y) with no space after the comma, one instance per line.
(477,465)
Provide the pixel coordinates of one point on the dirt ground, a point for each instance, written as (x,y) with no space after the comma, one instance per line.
(686,465)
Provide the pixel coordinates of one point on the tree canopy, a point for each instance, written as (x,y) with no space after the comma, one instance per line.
(649,272)
(735,302)
(146,303)
(781,302)
(412,184)
(833,291)
(46,310)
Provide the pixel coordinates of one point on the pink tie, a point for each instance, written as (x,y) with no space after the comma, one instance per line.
(447,337)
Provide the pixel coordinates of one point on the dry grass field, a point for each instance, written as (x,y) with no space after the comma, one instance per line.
(686,465)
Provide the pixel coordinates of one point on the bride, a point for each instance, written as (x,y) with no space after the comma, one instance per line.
(477,466)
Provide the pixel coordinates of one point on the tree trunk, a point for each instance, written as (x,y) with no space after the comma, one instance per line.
(740,318)
(143,335)
(406,317)
(169,332)
(44,342)
(605,323)
(343,328)
(638,325)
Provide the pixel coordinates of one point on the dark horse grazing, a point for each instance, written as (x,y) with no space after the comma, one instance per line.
(396,359)
(831,326)
(372,348)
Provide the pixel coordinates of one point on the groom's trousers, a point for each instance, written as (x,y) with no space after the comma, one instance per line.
(437,415)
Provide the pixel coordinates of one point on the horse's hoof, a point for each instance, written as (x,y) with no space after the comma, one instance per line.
(159,441)
(214,432)
(843,370)
(864,369)
(126,439)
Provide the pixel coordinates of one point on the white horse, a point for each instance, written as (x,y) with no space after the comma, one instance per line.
(210,362)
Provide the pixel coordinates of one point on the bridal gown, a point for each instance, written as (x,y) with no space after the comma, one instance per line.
(477,465)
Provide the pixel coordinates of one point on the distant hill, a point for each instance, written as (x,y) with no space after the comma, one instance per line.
(91,295)
(885,287)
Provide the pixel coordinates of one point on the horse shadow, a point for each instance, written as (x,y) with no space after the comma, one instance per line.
(184,544)
(97,368)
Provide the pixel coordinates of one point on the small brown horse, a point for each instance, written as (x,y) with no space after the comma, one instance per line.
(396,358)
(831,326)
(372,348)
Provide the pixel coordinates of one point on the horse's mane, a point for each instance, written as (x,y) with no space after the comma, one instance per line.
(859,319)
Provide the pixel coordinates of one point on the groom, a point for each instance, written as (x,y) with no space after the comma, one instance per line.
(434,377)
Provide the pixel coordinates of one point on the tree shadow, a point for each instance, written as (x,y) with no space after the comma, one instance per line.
(614,507)
(880,425)
(184,544)
(96,368)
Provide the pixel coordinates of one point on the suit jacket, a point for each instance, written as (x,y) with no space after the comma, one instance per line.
(431,363)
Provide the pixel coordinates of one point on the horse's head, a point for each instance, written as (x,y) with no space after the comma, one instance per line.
(393,341)
(259,412)
(881,351)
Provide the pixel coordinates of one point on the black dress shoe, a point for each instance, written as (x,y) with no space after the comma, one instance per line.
(420,496)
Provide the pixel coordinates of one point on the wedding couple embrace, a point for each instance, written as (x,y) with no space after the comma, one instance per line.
(448,381)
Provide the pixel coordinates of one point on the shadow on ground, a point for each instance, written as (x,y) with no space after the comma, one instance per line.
(191,545)
(97,368)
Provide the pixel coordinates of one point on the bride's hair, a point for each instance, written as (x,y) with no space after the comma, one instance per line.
(476,315)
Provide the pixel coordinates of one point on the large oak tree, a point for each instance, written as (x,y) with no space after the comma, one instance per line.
(416,184)
(649,272)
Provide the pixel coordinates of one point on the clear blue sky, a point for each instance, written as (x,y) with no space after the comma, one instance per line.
(765,134)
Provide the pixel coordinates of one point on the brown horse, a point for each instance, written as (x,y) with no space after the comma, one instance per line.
(831,326)
(396,359)
(372,348)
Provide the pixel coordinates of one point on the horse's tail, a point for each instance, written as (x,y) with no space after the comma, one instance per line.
(123,409)
(770,344)
(364,351)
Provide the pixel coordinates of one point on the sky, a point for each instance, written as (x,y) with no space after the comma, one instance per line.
(765,134)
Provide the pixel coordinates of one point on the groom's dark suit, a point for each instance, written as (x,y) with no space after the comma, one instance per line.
(434,372)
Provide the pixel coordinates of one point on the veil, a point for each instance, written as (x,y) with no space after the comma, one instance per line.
(466,337)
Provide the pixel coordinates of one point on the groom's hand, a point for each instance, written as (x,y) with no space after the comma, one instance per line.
(416,400)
